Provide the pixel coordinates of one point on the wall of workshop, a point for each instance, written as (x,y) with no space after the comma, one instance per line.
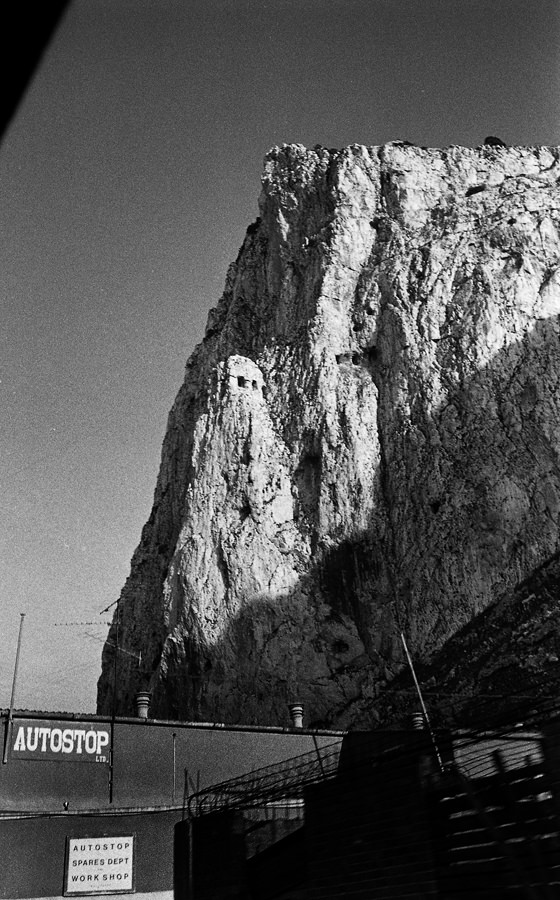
(34,851)
(144,763)
(146,758)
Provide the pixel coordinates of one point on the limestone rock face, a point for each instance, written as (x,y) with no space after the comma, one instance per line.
(366,441)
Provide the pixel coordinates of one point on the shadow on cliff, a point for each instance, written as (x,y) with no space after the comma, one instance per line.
(480,482)
(275,651)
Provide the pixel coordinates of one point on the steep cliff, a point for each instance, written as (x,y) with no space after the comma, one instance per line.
(367,439)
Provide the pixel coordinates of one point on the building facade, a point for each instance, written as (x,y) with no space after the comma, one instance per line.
(89,804)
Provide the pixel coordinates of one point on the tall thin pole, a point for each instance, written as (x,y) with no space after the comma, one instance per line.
(422,704)
(13,697)
(114,711)
(174,736)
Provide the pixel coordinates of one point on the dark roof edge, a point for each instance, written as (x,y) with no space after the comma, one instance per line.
(133,720)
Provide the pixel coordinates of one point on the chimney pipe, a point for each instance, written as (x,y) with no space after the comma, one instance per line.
(296,713)
(142,704)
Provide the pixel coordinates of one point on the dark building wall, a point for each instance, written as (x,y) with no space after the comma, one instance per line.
(219,848)
(218,858)
(368,832)
(33,850)
(280,870)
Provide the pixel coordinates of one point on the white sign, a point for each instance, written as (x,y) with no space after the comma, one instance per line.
(99,865)
(50,739)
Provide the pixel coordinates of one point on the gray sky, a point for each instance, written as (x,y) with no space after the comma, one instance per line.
(128,179)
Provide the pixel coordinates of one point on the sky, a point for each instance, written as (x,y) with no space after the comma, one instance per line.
(128,177)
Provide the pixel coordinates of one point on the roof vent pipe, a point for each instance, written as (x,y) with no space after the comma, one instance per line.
(142,704)
(296,713)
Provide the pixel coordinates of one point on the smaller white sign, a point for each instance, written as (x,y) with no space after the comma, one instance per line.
(99,865)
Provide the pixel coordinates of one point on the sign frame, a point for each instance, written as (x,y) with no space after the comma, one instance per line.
(111,888)
(60,740)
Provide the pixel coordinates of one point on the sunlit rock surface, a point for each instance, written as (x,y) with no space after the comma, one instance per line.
(366,441)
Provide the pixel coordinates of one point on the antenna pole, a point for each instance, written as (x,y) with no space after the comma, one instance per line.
(422,704)
(174,736)
(13,697)
(114,711)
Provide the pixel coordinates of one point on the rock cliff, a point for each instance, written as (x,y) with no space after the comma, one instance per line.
(366,441)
